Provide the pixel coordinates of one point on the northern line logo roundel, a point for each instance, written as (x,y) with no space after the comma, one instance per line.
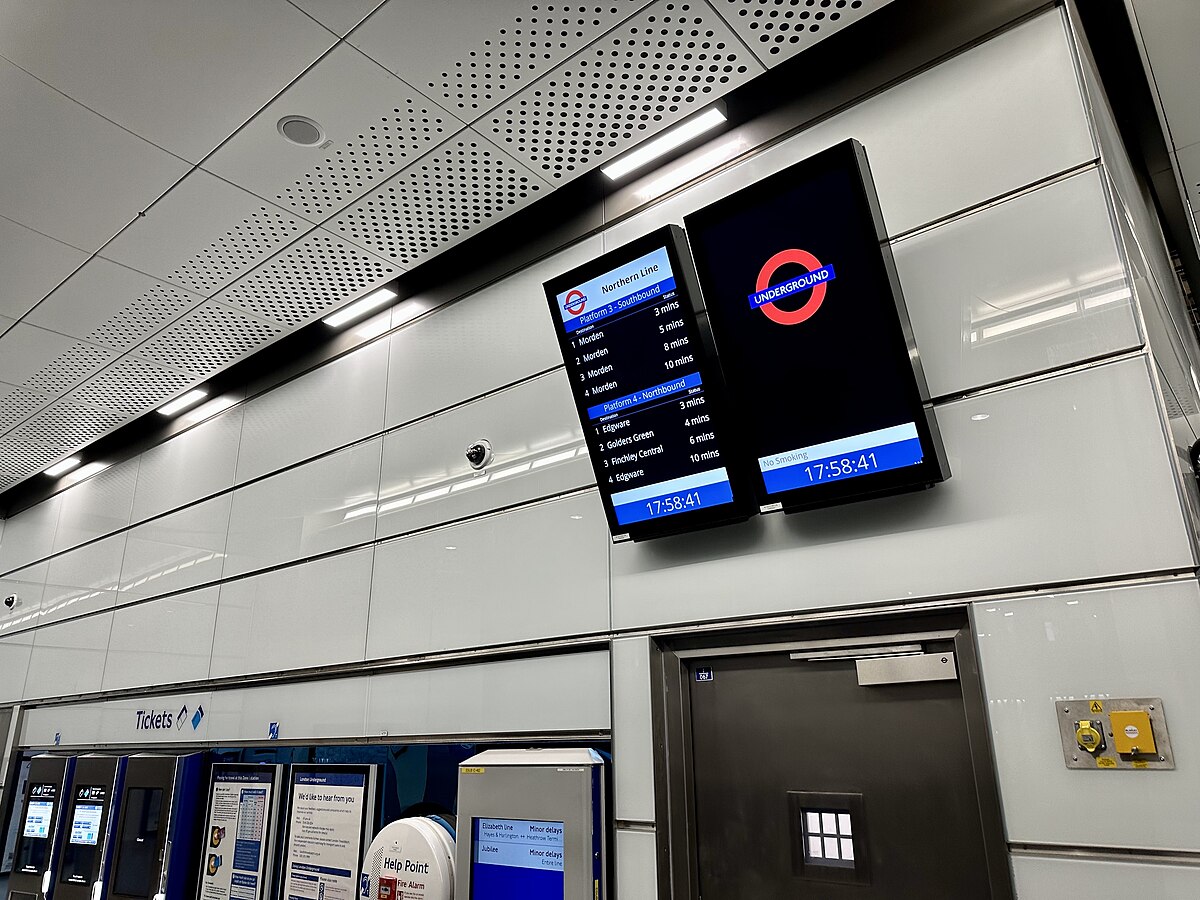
(575,302)
(816,276)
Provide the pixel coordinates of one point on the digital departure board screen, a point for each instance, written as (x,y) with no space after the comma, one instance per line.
(647,389)
(813,335)
(517,858)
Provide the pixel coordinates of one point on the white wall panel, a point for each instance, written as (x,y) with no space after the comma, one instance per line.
(492,338)
(77,725)
(304,511)
(1048,878)
(176,551)
(542,694)
(1042,491)
(533,573)
(309,615)
(29,585)
(29,535)
(83,580)
(329,407)
(993,119)
(633,730)
(14,665)
(637,864)
(68,658)
(161,641)
(1126,642)
(314,709)
(116,722)
(197,463)
(1031,284)
(97,506)
(536,436)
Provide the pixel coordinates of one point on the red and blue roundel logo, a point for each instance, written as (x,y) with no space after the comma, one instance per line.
(575,302)
(815,277)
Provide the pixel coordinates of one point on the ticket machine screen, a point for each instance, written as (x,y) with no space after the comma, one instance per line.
(516,858)
(38,818)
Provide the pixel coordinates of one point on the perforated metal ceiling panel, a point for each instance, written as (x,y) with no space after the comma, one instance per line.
(373,122)
(204,234)
(777,30)
(665,63)
(208,339)
(37,358)
(311,277)
(485,51)
(130,386)
(465,185)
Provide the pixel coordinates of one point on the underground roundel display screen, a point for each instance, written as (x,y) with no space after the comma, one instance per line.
(813,335)
(646,388)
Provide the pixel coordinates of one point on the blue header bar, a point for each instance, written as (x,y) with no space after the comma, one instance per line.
(337,779)
(791,286)
(647,395)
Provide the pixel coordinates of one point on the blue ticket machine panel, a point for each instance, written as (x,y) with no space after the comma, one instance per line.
(537,825)
(40,815)
(157,828)
(85,836)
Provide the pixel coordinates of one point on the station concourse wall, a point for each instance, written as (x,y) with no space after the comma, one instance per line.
(325,539)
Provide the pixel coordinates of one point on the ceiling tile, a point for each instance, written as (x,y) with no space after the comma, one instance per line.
(17,404)
(204,233)
(313,276)
(209,338)
(109,304)
(483,51)
(1169,29)
(63,427)
(33,265)
(339,16)
(463,186)
(183,75)
(68,173)
(608,97)
(376,124)
(45,360)
(131,386)
(776,30)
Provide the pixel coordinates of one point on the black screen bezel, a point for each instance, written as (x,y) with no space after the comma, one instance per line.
(850,158)
(49,839)
(742,507)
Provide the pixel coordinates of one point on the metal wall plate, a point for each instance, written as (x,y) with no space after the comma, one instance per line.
(1098,709)
(906,669)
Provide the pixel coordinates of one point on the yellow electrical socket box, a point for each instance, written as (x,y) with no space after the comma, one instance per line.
(1131,732)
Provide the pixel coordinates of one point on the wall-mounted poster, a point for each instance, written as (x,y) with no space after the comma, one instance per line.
(239,834)
(331,810)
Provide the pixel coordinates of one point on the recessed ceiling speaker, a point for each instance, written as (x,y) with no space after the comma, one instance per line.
(302,131)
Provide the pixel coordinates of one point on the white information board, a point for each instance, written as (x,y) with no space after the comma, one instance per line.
(239,834)
(329,811)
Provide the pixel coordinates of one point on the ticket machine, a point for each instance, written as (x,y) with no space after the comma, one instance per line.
(157,828)
(89,808)
(40,815)
(531,825)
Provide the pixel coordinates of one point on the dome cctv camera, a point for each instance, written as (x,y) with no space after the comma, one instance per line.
(11,601)
(479,454)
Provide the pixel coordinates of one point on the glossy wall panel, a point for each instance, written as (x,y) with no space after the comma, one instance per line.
(1042,492)
(97,506)
(1122,642)
(304,511)
(176,551)
(1031,284)
(197,463)
(29,535)
(293,618)
(537,572)
(322,710)
(996,118)
(345,396)
(29,587)
(1050,878)
(83,580)
(535,435)
(633,737)
(14,665)
(494,337)
(637,864)
(567,692)
(68,657)
(161,641)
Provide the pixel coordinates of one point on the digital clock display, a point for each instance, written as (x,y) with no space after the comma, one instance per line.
(645,387)
(813,334)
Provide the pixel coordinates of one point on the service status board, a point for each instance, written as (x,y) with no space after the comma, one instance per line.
(647,390)
(813,335)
